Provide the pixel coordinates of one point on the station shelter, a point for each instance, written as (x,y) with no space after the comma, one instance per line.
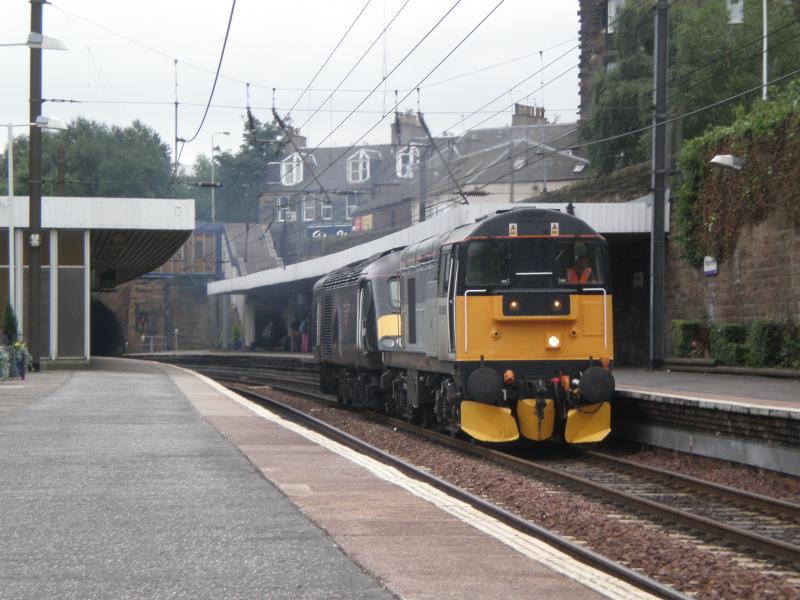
(88,244)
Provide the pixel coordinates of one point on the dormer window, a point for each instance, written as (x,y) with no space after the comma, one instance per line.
(358,167)
(407,159)
(292,169)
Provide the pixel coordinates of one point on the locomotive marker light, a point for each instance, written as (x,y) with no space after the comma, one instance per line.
(513,305)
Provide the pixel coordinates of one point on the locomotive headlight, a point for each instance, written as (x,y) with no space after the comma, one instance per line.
(553,341)
(388,342)
(514,305)
(557,304)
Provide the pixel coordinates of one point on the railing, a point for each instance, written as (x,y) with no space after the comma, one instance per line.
(153,343)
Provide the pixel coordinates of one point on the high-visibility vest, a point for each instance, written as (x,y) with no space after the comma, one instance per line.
(585,277)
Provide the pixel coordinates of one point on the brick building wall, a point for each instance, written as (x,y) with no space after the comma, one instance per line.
(760,281)
(596,48)
(157,306)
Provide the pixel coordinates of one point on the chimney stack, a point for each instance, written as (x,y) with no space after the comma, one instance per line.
(528,115)
(405,127)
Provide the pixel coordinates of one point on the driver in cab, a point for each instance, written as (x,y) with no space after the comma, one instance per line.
(582,271)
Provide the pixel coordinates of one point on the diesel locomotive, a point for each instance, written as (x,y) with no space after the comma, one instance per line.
(500,329)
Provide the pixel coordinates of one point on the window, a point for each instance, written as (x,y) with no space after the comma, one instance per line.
(735,11)
(358,167)
(488,263)
(394,293)
(444,271)
(407,159)
(292,169)
(326,210)
(411,289)
(282,207)
(613,11)
(308,208)
(349,207)
(579,262)
(199,246)
(578,168)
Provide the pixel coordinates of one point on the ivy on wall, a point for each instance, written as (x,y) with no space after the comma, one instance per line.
(713,203)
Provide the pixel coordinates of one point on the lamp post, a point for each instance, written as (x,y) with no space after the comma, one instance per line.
(36,42)
(764,53)
(213,187)
(42,123)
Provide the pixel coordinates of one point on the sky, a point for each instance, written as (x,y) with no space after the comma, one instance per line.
(120,65)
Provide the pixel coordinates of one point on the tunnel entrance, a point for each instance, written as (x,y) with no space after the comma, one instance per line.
(107,337)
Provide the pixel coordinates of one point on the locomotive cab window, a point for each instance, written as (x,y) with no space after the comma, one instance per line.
(445,259)
(488,263)
(580,262)
(394,294)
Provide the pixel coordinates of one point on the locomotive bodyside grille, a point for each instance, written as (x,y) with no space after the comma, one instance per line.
(327,325)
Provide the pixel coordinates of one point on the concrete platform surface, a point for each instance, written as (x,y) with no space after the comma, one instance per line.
(112,486)
(760,393)
(116,482)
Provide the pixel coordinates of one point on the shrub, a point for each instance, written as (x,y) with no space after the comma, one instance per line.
(10,326)
(690,338)
(728,344)
(790,351)
(728,333)
(766,343)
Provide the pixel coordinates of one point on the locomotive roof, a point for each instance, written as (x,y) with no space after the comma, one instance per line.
(350,274)
(529,222)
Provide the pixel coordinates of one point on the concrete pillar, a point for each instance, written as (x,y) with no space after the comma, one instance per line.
(54,300)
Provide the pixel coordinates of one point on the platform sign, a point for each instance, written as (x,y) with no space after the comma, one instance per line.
(710,266)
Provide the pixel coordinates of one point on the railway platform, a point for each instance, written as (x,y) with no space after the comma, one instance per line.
(134,479)
(750,419)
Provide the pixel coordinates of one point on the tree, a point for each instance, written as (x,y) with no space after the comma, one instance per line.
(710,60)
(240,174)
(98,161)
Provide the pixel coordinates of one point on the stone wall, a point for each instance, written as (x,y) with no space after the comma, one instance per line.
(761,280)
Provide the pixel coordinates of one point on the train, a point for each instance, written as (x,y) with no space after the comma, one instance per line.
(500,329)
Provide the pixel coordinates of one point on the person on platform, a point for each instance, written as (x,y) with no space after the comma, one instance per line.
(294,336)
(304,335)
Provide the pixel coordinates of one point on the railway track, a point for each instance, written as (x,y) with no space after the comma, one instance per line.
(571,548)
(750,527)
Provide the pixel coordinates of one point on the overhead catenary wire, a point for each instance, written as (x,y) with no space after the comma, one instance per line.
(357,63)
(216,75)
(264,85)
(432,207)
(429,73)
(705,65)
(402,60)
(327,60)
(298,193)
